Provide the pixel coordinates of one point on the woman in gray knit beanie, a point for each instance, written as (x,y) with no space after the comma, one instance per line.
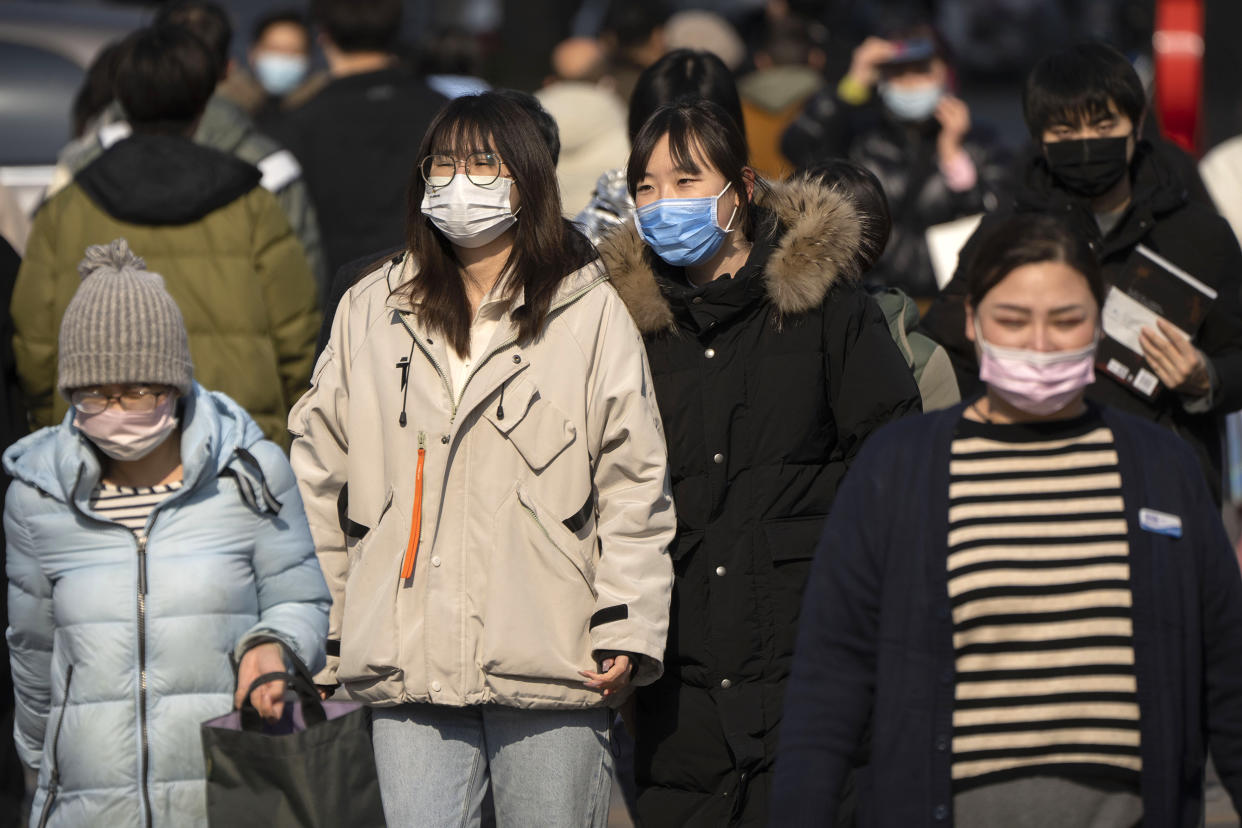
(178,546)
(122,338)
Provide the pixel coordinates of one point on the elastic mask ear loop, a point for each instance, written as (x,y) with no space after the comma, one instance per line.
(728,228)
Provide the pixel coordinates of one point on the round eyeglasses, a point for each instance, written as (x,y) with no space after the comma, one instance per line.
(481,168)
(140,398)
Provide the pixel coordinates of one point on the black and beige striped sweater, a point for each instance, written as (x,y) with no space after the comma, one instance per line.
(1039,582)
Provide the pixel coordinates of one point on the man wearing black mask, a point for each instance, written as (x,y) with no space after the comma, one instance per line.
(1085,106)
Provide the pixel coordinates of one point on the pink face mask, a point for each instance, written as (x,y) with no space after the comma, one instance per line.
(128,435)
(1037,382)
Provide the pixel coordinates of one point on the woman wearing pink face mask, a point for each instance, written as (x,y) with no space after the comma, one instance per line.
(1050,633)
(155,538)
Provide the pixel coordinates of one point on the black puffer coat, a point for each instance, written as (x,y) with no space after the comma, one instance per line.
(1163,217)
(768,383)
(903,156)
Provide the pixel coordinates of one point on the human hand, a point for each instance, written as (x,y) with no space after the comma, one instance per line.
(864,65)
(614,678)
(268,699)
(1178,364)
(954,117)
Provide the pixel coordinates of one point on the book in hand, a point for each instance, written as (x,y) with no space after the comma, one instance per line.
(1149,288)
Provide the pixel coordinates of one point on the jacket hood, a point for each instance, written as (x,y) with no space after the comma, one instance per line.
(165,180)
(216,436)
(816,245)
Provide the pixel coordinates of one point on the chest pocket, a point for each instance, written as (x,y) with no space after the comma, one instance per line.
(533,424)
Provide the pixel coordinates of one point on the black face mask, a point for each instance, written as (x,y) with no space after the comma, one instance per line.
(1088,166)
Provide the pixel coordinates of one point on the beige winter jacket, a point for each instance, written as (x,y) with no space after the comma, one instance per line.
(546,512)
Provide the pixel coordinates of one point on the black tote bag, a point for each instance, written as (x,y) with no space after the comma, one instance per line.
(313,768)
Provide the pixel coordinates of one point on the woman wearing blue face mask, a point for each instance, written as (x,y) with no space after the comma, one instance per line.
(1051,633)
(896,114)
(771,366)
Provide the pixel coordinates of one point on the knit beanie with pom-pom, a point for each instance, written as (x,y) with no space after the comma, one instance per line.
(122,327)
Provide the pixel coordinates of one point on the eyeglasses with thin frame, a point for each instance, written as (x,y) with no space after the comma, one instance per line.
(137,398)
(481,168)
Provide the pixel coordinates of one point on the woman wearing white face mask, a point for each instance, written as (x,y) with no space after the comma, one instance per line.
(484,468)
(1051,633)
(153,538)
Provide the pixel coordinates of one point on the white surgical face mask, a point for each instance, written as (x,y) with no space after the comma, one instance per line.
(280,73)
(911,103)
(470,215)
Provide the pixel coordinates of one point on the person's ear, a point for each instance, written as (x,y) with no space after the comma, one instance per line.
(970,320)
(748,178)
(763,60)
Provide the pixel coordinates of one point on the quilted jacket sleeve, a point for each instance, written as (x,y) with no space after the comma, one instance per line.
(30,631)
(293,598)
(319,423)
(636,524)
(289,294)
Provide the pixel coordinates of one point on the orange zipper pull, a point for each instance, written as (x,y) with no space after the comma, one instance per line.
(411,548)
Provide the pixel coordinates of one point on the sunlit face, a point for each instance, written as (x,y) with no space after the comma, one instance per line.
(1046,306)
(473,160)
(665,179)
(931,72)
(1112,124)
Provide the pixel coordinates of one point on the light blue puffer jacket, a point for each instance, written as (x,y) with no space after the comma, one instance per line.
(229,558)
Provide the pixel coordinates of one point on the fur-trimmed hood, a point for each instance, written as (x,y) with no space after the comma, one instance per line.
(819,235)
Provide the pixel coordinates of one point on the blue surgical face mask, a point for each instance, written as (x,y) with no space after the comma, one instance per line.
(279,73)
(683,231)
(911,103)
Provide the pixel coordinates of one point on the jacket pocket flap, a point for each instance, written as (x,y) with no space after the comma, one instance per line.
(793,539)
(511,406)
(536,427)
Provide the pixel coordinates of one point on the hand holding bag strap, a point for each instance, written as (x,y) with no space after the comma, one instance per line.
(312,707)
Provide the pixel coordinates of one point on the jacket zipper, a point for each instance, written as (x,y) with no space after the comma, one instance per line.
(142,673)
(411,547)
(142,626)
(568,300)
(53,781)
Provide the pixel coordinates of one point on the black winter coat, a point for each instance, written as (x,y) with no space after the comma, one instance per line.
(903,157)
(1162,217)
(357,141)
(768,383)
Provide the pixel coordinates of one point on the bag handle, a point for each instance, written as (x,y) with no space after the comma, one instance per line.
(300,681)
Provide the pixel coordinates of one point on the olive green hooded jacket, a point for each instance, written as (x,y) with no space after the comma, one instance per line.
(226,252)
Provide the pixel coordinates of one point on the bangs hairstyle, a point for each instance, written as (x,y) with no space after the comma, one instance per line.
(1075,85)
(699,132)
(1026,238)
(545,248)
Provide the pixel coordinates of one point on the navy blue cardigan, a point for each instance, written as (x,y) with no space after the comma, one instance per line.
(876,635)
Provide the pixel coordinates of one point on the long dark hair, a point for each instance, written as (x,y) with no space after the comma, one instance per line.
(544,247)
(697,129)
